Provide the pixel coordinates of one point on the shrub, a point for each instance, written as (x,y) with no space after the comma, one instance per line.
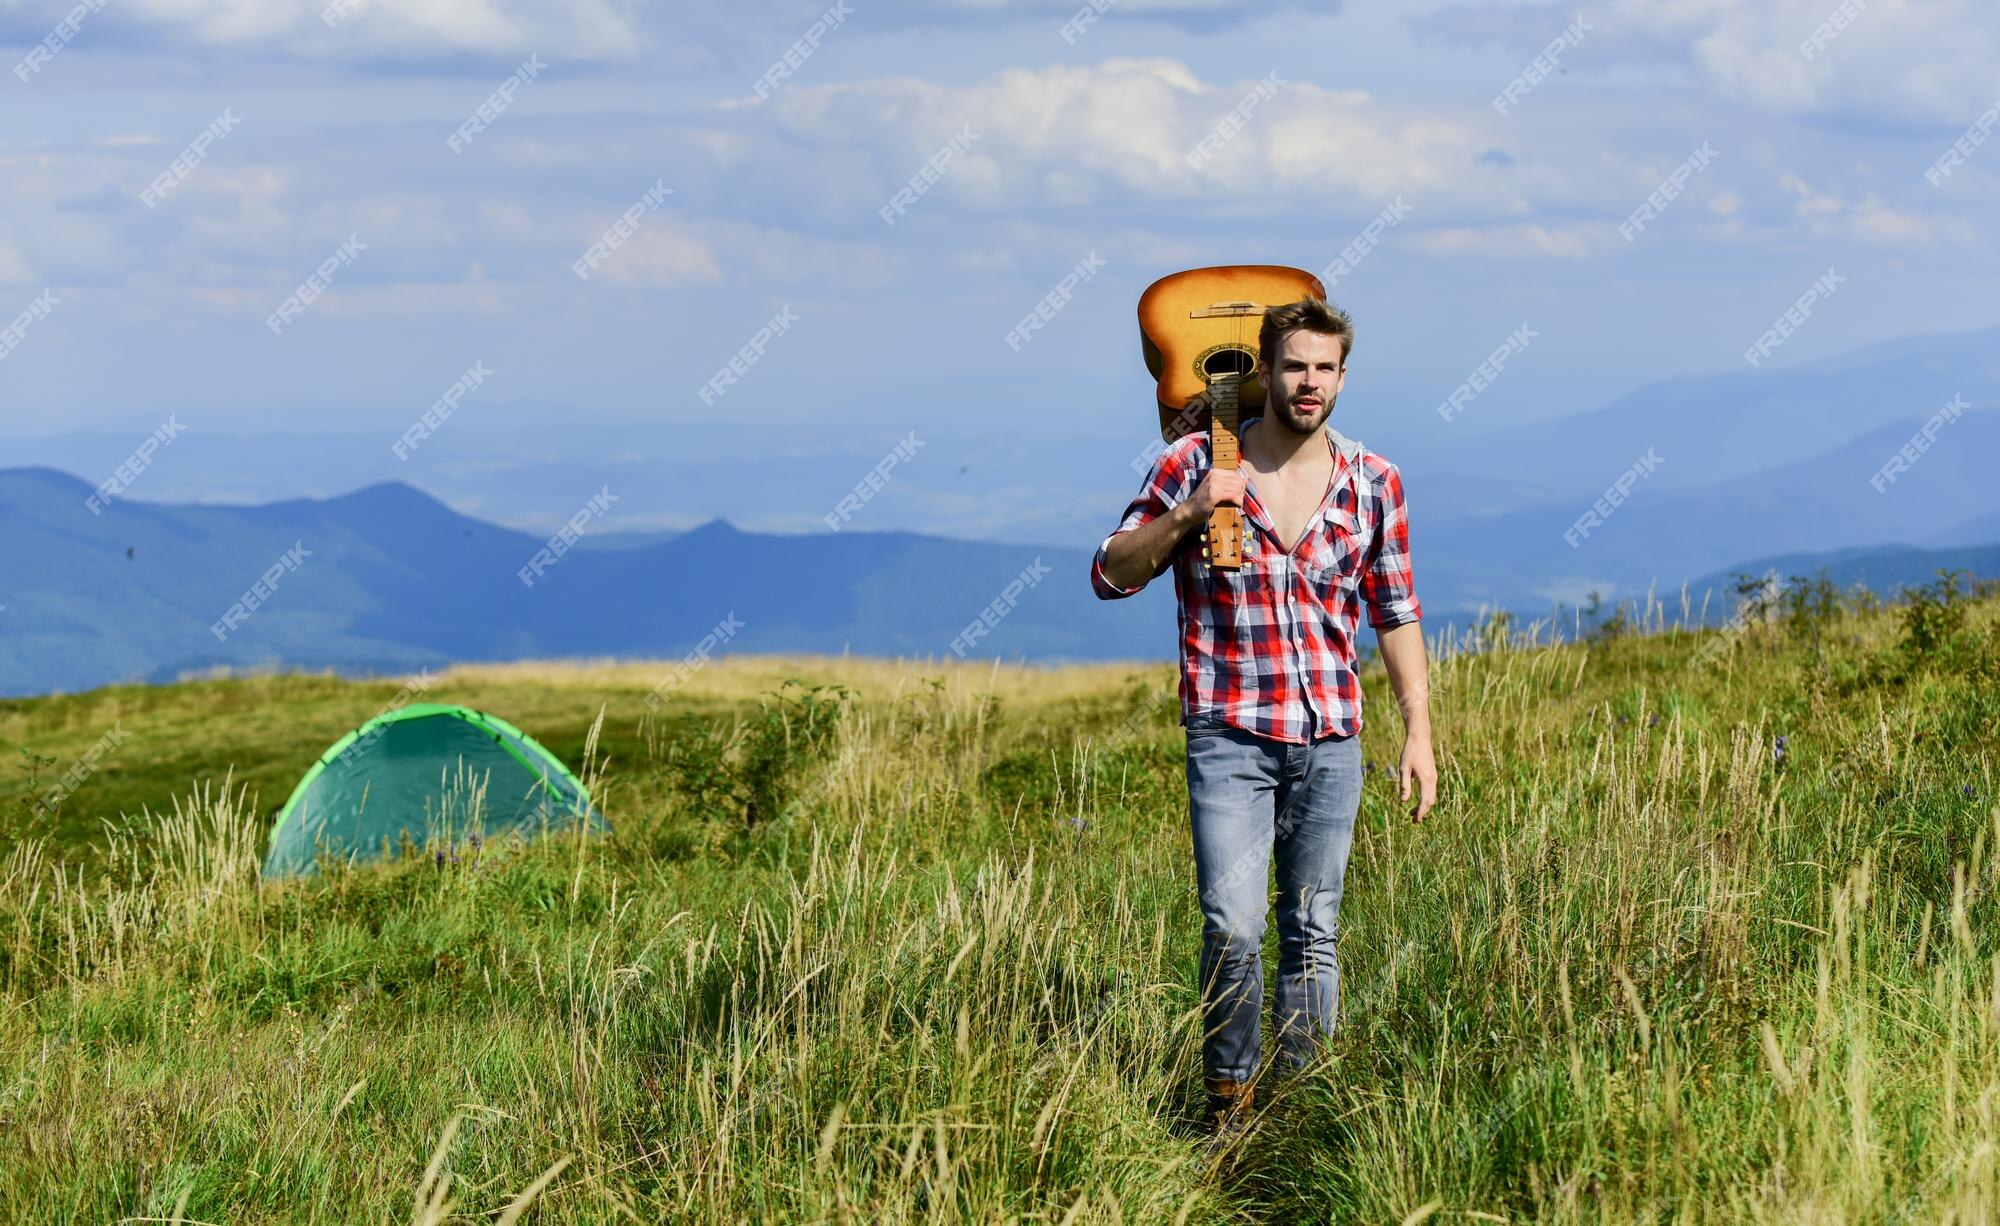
(790,727)
(1933,616)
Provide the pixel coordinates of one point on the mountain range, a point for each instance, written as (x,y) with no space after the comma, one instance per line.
(388,579)
(1681,481)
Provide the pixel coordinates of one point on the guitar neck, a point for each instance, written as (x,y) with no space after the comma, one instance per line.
(1223,537)
(1224,450)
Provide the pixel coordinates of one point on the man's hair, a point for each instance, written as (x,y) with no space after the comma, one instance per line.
(1312,314)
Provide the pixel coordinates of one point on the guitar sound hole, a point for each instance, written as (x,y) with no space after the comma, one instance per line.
(1228,362)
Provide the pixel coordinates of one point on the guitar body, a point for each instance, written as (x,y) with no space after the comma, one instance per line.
(1198,331)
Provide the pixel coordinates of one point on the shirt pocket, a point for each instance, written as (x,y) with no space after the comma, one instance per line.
(1334,566)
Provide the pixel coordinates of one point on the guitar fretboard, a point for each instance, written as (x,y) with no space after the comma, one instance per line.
(1223,451)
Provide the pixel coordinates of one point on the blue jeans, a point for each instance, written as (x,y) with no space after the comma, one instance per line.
(1247,795)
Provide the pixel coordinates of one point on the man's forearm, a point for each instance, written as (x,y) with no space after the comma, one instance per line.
(1135,557)
(1409,675)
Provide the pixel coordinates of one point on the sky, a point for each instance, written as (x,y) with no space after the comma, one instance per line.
(150,279)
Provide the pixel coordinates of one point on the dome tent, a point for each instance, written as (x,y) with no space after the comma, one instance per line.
(420,769)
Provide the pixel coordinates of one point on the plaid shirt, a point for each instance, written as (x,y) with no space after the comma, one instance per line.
(1269,648)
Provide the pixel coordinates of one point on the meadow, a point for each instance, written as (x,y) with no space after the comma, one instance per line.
(1703,928)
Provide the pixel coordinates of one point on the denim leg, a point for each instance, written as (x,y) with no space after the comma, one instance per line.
(1231,777)
(1318,798)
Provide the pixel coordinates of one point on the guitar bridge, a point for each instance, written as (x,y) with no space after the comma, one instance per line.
(1225,308)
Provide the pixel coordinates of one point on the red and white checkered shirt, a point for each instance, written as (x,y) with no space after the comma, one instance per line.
(1270,648)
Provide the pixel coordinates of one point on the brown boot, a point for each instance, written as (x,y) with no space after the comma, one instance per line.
(1228,1118)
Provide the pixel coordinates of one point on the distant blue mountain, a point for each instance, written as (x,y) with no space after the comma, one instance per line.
(393,580)
(1883,570)
(1774,460)
(1972,531)
(1711,428)
(1705,519)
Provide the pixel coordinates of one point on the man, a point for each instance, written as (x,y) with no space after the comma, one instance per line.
(1270,692)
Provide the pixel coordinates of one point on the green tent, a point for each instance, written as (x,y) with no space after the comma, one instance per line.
(422,769)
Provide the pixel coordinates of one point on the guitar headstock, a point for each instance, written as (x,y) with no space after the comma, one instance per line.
(1222,539)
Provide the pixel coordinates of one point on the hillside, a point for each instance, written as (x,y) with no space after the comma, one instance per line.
(1883,570)
(980,477)
(1704,928)
(391,580)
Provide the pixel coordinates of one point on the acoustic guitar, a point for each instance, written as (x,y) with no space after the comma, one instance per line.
(1198,330)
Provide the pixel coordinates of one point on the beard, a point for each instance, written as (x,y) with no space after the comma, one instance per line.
(1298,421)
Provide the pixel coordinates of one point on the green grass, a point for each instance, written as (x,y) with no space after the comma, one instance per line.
(920,945)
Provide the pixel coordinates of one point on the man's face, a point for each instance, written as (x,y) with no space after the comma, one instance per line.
(1301,390)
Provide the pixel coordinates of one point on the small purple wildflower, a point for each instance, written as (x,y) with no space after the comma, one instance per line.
(437,857)
(1079,823)
(1653,722)
(1968,791)
(1778,750)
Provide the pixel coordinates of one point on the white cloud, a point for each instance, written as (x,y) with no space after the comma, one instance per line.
(661,254)
(1124,128)
(1928,61)
(421,299)
(13,269)
(1827,214)
(983,259)
(573,29)
(724,147)
(1526,241)
(363,300)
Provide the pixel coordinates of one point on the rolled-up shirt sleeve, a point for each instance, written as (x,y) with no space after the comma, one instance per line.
(1167,483)
(1388,586)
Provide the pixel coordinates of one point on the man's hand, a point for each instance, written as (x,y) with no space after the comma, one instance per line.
(1403,655)
(1418,764)
(1217,486)
(1132,558)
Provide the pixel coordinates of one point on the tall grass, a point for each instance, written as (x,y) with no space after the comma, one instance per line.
(920,945)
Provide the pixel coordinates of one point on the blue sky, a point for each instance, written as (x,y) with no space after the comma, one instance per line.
(339,130)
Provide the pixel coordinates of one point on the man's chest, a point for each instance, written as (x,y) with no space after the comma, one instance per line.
(1298,543)
(1292,504)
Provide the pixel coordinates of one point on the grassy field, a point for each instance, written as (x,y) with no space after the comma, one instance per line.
(1703,929)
